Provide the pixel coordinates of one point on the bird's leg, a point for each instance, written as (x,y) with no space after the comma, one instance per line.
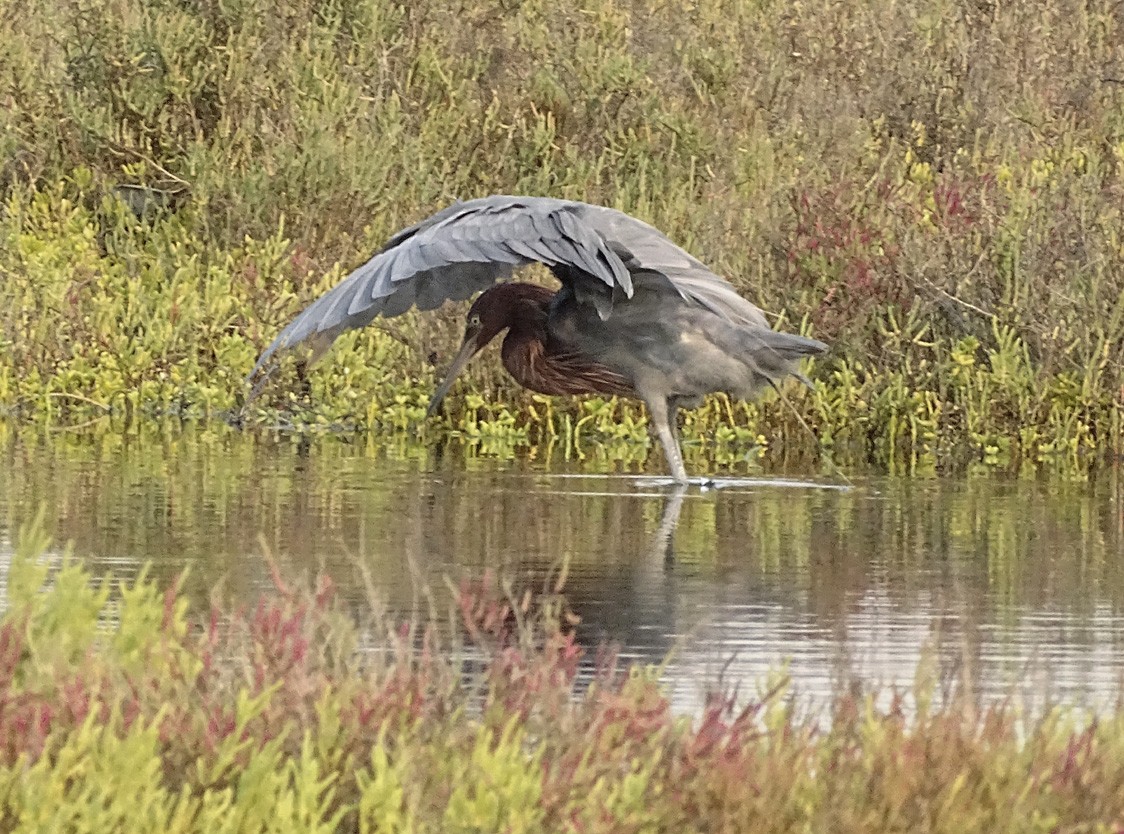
(673,421)
(663,412)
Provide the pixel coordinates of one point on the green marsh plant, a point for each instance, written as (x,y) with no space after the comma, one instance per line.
(933,188)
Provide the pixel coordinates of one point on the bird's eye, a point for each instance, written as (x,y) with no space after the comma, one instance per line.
(474,321)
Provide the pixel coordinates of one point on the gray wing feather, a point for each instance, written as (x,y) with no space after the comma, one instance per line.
(599,261)
(401,300)
(654,254)
(465,248)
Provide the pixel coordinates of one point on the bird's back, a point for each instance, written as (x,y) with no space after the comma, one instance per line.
(669,346)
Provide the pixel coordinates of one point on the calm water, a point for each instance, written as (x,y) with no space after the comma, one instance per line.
(1017,586)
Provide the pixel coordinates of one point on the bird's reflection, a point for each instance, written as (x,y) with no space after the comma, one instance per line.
(663,540)
(634,606)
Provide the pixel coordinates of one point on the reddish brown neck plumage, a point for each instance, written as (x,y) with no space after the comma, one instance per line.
(515,306)
(529,354)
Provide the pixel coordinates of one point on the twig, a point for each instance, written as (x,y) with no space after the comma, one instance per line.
(808,429)
(122,151)
(77,426)
(80,398)
(961,301)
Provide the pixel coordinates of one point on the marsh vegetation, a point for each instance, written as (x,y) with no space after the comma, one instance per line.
(935,189)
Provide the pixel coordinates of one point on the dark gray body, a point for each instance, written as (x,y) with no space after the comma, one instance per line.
(631,299)
(675,352)
(671,347)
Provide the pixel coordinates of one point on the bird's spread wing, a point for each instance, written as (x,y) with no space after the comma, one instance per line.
(468,246)
(455,254)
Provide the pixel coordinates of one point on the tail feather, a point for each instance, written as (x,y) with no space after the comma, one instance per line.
(777,355)
(789,345)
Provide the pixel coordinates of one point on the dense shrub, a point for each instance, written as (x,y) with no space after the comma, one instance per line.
(935,188)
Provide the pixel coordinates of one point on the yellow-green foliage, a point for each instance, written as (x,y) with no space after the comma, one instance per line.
(272,720)
(934,187)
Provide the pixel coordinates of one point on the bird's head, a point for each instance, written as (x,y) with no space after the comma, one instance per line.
(491,313)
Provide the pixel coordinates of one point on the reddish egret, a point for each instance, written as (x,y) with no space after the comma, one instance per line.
(636,315)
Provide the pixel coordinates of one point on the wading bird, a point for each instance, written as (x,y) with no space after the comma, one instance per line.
(636,315)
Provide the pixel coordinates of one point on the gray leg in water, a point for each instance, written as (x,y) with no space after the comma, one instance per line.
(663,413)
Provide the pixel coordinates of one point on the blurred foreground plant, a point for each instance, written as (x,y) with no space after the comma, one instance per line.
(121,709)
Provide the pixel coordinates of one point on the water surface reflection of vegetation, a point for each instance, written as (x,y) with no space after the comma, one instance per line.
(995,571)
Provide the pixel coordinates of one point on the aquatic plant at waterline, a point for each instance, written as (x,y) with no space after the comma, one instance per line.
(124,709)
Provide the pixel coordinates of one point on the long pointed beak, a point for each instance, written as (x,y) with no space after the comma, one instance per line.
(467,351)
